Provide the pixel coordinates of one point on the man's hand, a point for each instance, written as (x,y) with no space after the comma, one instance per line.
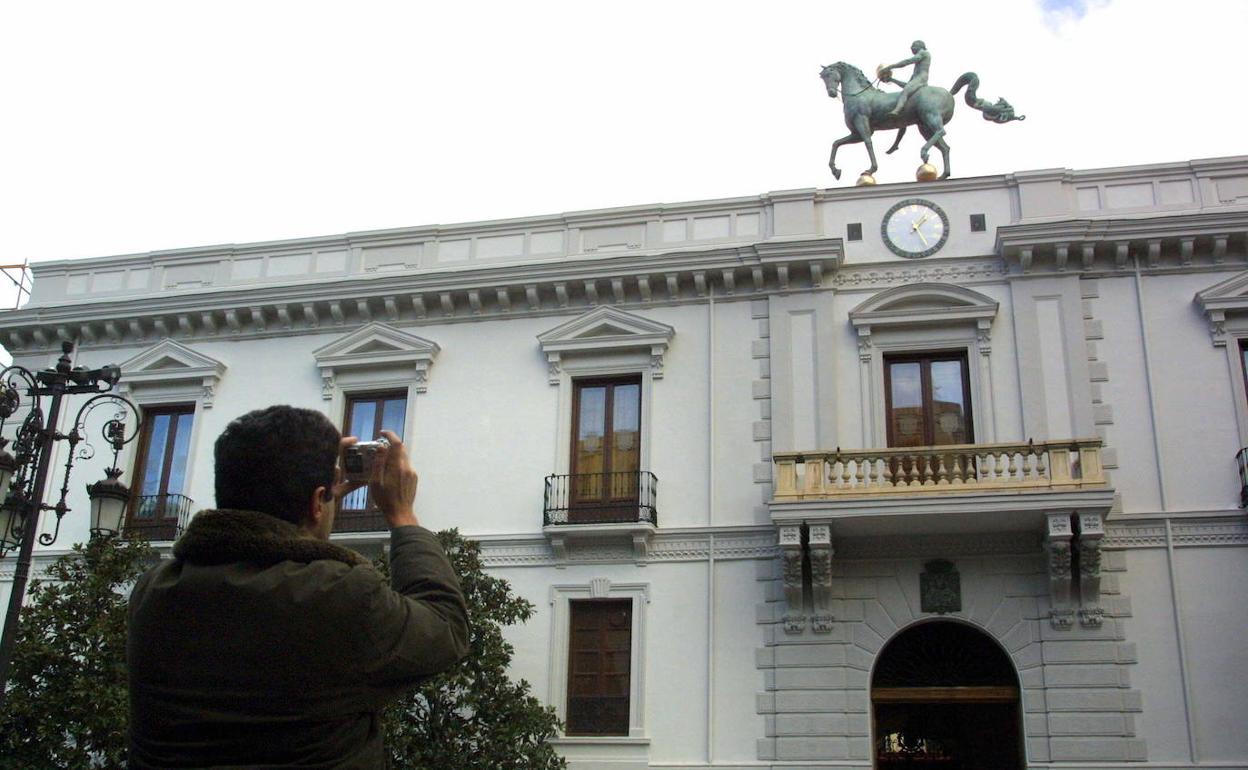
(394,491)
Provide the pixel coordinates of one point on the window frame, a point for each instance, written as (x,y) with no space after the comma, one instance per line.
(925,359)
(573,651)
(560,647)
(576,369)
(896,342)
(349,399)
(610,383)
(143,447)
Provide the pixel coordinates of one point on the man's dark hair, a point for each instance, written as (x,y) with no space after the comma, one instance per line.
(272,459)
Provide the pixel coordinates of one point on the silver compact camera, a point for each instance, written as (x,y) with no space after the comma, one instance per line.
(359,461)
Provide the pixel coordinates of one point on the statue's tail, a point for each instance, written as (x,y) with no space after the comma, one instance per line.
(1000,112)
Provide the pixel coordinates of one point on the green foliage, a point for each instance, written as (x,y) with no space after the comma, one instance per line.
(67,699)
(473,717)
(66,704)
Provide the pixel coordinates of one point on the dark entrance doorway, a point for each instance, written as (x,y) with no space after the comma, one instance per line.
(945,695)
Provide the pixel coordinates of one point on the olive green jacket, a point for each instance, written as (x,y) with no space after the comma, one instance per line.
(259,646)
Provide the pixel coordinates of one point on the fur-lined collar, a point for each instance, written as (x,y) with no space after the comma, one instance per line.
(225,536)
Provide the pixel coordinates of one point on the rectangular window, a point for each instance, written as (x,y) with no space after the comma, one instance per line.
(606,448)
(1243,358)
(927,398)
(160,483)
(599,666)
(368,414)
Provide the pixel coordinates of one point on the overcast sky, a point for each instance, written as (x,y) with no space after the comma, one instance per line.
(130,126)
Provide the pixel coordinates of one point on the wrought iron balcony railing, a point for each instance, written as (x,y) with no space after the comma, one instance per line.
(956,468)
(601,498)
(159,517)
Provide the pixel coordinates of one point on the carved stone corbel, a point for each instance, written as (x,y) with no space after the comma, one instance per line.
(864,344)
(791,555)
(554,368)
(983,336)
(327,383)
(1091,530)
(420,378)
(821,578)
(1057,543)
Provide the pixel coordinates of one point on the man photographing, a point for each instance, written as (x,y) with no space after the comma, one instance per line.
(262,644)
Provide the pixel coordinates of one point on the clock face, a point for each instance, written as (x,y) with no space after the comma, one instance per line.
(915,228)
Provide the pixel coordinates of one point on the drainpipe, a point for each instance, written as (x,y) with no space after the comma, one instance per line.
(1148,381)
(710,521)
(1178,634)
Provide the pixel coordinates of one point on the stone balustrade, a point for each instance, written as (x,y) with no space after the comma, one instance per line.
(1058,465)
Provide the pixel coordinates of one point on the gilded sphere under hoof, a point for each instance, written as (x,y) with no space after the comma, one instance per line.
(866,180)
(926,173)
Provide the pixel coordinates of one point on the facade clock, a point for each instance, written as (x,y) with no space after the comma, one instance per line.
(915,228)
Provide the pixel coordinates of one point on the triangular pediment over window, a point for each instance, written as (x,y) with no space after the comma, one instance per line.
(172,364)
(1223,301)
(377,346)
(605,330)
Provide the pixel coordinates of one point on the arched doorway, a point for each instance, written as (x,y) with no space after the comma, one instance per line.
(945,695)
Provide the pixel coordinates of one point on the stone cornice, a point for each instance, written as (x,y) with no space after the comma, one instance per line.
(1171,240)
(422,296)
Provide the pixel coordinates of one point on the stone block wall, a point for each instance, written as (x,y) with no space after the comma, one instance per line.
(1077,704)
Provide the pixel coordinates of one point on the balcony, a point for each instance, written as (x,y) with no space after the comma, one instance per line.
(600,507)
(159,517)
(954,488)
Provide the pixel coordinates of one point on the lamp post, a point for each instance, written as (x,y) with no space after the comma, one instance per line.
(24,473)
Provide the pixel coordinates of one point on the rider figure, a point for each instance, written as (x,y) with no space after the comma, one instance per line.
(922,61)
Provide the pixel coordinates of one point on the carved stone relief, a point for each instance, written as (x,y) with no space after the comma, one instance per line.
(791,554)
(1058,545)
(940,588)
(1091,531)
(820,536)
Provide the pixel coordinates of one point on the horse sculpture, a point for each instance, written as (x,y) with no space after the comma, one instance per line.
(867,109)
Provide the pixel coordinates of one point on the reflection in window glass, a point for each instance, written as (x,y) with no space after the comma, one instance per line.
(163,458)
(928,401)
(367,417)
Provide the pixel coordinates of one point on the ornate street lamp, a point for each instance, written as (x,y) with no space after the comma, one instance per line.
(24,473)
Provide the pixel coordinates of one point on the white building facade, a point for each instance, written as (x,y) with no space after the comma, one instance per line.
(930,473)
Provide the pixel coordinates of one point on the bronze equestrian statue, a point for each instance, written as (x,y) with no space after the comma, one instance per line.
(868,109)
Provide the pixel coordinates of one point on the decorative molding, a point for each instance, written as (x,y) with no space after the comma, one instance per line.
(1229,297)
(560,597)
(821,551)
(791,563)
(376,346)
(172,364)
(924,304)
(605,330)
(534,550)
(1151,533)
(1174,240)
(549,287)
(1058,543)
(1091,530)
(960,272)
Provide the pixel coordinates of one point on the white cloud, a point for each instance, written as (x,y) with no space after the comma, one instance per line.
(150,125)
